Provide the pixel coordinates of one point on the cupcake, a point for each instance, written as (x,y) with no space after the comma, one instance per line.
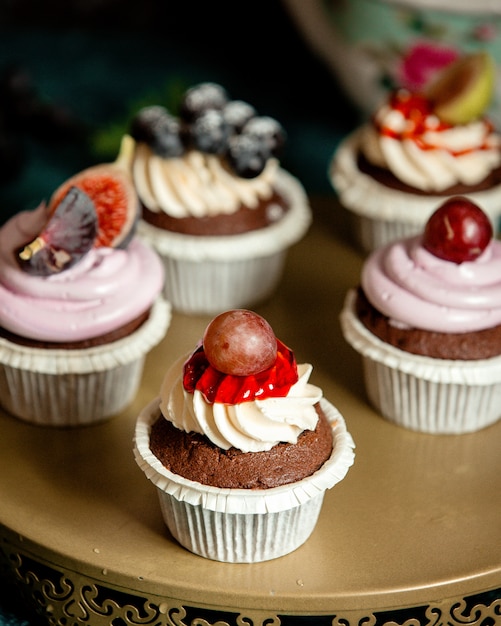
(81,306)
(216,205)
(419,148)
(426,319)
(240,446)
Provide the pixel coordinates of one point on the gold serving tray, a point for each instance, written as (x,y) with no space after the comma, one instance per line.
(411,536)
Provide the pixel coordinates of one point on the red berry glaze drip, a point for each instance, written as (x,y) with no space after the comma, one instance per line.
(457,231)
(240,360)
(216,386)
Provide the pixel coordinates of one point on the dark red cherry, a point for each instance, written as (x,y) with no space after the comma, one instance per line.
(457,231)
(240,342)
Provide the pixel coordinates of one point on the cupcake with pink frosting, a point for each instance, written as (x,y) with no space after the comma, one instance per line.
(77,319)
(392,172)
(426,319)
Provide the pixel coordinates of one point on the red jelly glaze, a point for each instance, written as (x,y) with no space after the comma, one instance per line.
(228,389)
(416,109)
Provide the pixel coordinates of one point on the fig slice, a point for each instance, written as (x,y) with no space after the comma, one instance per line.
(110,187)
(463,90)
(66,237)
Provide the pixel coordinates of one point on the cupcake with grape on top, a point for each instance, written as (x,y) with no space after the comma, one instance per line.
(418,149)
(82,301)
(216,205)
(426,319)
(240,446)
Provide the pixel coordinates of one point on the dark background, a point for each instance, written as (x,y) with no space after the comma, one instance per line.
(88,64)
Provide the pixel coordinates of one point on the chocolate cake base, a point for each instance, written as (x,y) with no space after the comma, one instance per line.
(385,177)
(114,335)
(245,219)
(195,457)
(482,344)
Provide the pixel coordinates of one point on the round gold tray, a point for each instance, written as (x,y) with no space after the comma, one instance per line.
(411,536)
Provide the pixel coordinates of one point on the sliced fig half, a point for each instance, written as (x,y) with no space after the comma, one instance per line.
(463,90)
(110,187)
(67,236)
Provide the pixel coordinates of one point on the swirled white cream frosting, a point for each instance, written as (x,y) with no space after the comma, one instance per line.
(196,184)
(430,156)
(249,426)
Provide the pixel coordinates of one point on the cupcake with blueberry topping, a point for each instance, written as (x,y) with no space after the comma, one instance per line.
(426,319)
(419,148)
(216,205)
(240,445)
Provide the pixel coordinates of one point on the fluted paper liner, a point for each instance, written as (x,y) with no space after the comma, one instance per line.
(474,372)
(245,501)
(94,359)
(263,242)
(422,393)
(65,388)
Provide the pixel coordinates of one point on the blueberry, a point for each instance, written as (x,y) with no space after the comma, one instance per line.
(143,123)
(210,132)
(200,98)
(247,155)
(237,113)
(268,131)
(156,127)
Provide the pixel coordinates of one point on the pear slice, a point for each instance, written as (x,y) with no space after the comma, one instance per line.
(463,90)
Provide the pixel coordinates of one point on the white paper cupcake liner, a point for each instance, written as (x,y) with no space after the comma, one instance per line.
(242,525)
(212,287)
(381,214)
(212,274)
(54,387)
(437,396)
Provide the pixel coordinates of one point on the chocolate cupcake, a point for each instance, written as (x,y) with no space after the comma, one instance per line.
(426,319)
(239,439)
(72,339)
(216,205)
(392,172)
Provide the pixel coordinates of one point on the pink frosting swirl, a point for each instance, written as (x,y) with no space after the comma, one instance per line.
(105,290)
(416,289)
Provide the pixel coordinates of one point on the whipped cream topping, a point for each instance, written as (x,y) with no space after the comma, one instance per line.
(252,426)
(407,139)
(196,184)
(106,289)
(416,289)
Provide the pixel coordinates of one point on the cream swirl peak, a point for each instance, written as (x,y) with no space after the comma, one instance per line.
(414,288)
(211,157)
(406,138)
(196,184)
(106,289)
(251,426)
